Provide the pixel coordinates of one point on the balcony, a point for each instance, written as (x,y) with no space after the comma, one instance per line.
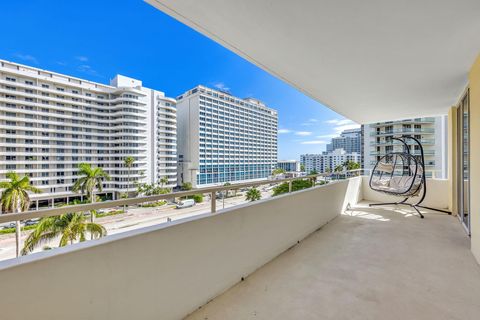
(405,121)
(414,152)
(316,251)
(363,265)
(394,142)
(402,131)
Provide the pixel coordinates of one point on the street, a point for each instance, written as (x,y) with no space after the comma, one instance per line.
(135,218)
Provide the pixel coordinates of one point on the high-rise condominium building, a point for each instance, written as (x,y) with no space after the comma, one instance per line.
(289,165)
(50,123)
(349,140)
(431,131)
(222,138)
(327,161)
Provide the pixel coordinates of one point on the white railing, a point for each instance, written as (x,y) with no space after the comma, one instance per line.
(142,214)
(34,214)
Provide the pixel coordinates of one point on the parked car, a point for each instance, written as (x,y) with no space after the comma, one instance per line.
(185,203)
(8,225)
(31,222)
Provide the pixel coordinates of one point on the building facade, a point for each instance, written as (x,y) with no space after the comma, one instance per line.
(222,138)
(50,123)
(349,140)
(289,165)
(327,161)
(431,132)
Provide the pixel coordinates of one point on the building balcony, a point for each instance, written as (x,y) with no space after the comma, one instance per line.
(405,121)
(414,152)
(317,251)
(402,131)
(395,142)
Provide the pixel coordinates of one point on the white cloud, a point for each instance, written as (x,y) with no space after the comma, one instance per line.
(339,129)
(26,57)
(85,68)
(314,142)
(339,122)
(82,58)
(303,133)
(327,136)
(284,130)
(221,86)
(310,122)
(342,124)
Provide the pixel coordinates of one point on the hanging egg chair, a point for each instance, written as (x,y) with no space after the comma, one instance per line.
(402,174)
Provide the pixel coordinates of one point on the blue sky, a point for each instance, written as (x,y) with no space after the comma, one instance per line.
(97,39)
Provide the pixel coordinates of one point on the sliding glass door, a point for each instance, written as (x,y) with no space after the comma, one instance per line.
(463,156)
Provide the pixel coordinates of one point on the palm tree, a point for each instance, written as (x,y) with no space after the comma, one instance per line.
(163,181)
(253,194)
(314,179)
(15,199)
(128,162)
(70,227)
(91,178)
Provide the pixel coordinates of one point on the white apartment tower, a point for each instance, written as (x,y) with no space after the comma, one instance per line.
(431,131)
(222,138)
(327,161)
(50,123)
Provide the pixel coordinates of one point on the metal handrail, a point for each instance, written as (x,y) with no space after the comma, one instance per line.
(33,214)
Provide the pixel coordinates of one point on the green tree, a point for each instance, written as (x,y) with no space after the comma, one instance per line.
(277,171)
(163,181)
(302,167)
(351,165)
(128,162)
(90,179)
(186,186)
(15,199)
(70,227)
(253,194)
(296,185)
(338,168)
(314,179)
(198,198)
(226,184)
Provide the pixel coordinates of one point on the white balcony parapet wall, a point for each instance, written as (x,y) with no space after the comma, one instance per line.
(437,194)
(166,271)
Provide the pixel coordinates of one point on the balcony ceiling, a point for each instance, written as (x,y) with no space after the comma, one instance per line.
(370,60)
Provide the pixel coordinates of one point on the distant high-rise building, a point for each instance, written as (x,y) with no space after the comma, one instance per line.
(289,165)
(431,131)
(327,161)
(349,140)
(222,138)
(50,123)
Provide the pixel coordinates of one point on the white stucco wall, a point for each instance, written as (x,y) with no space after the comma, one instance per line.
(437,194)
(164,272)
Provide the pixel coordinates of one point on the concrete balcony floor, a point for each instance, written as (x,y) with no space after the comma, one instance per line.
(369,263)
